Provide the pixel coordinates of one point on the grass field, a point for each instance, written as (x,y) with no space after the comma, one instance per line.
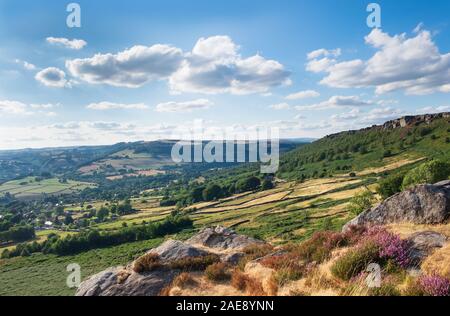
(292,211)
(29,187)
(45,275)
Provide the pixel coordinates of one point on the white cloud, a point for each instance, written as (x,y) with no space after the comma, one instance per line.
(20,108)
(322,59)
(432,109)
(336,102)
(131,68)
(381,115)
(213,66)
(200,104)
(352,115)
(44,106)
(114,106)
(413,65)
(13,107)
(53,77)
(280,106)
(26,65)
(75,44)
(324,53)
(303,95)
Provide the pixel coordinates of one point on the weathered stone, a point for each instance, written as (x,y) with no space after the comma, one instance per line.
(223,238)
(126,282)
(424,243)
(423,204)
(175,250)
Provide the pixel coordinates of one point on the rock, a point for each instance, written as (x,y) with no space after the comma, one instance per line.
(98,283)
(126,282)
(423,204)
(106,283)
(233,258)
(223,238)
(424,243)
(175,250)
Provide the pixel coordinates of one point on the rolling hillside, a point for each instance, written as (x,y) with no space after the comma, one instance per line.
(406,138)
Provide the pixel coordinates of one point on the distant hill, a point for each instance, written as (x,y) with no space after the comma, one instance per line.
(408,137)
(110,160)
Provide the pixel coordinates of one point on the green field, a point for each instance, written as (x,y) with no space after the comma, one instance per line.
(30,187)
(45,275)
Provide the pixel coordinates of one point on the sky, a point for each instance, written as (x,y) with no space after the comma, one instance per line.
(146,70)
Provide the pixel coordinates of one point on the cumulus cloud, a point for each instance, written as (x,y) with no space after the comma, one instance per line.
(189,106)
(280,106)
(303,95)
(213,66)
(336,102)
(53,77)
(131,68)
(75,44)
(413,65)
(114,106)
(322,59)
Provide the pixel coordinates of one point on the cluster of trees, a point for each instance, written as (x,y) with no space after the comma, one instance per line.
(215,191)
(429,172)
(18,234)
(94,239)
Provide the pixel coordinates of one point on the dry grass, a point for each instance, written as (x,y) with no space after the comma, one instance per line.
(122,276)
(217,272)
(146,263)
(438,262)
(184,280)
(391,165)
(404,230)
(194,263)
(244,283)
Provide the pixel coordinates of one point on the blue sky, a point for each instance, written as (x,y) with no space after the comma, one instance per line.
(138,70)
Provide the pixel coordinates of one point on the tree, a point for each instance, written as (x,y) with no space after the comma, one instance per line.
(197,194)
(267,184)
(102,213)
(391,185)
(59,210)
(68,220)
(248,184)
(429,172)
(212,192)
(361,202)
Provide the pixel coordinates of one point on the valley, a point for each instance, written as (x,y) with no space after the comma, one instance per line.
(134,190)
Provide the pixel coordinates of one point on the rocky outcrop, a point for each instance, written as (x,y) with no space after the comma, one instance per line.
(414,120)
(120,281)
(222,238)
(423,204)
(422,244)
(176,250)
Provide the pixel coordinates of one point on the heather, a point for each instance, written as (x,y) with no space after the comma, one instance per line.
(435,285)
